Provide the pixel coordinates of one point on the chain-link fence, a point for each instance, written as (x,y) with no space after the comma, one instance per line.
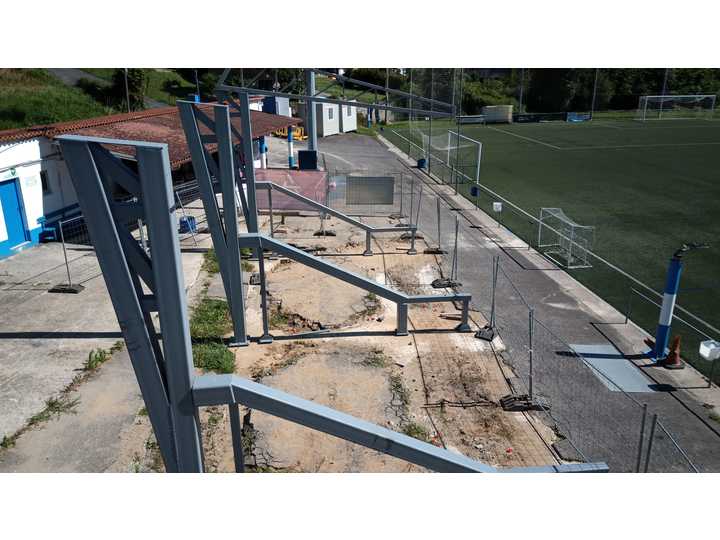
(590,416)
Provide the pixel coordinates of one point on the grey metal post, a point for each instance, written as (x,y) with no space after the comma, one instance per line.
(154,167)
(712,372)
(594,94)
(368,245)
(236,430)
(266,337)
(230,216)
(642,438)
(495,269)
(310,110)
(650,442)
(522,85)
(531,323)
(454,269)
(67,265)
(402,176)
(247,144)
(402,319)
(437,206)
(270,204)
(629,306)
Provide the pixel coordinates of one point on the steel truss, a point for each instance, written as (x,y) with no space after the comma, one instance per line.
(223,227)
(163,367)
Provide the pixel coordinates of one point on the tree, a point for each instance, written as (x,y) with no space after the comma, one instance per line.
(136,88)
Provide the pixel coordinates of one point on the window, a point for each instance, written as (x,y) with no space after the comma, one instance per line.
(45,182)
(349,111)
(330,113)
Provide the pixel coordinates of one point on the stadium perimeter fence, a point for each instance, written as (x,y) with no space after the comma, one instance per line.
(639,302)
(589,416)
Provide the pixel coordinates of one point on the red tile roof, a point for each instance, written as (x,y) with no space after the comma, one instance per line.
(153,125)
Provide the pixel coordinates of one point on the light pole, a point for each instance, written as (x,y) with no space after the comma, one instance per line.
(127,90)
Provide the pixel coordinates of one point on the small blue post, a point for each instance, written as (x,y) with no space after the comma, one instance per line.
(672,284)
(263,152)
(369,118)
(291,158)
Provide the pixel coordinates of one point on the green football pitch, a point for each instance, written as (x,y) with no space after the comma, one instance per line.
(647,187)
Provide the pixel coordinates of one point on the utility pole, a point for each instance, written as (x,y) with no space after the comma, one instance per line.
(127,90)
(522,85)
(387,94)
(197,84)
(592,105)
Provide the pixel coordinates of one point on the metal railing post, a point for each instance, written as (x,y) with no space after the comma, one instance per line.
(270,204)
(496,264)
(437,201)
(650,442)
(456,255)
(531,320)
(642,438)
(67,265)
(236,430)
(266,337)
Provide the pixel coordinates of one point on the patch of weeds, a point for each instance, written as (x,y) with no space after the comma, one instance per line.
(245,252)
(376,358)
(247,266)
(213,356)
(399,392)
(54,407)
(210,319)
(117,346)
(714,416)
(415,430)
(277,318)
(210,262)
(8,442)
(143,411)
(95,359)
(215,417)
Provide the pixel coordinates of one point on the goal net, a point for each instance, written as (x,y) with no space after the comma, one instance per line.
(451,151)
(563,240)
(671,107)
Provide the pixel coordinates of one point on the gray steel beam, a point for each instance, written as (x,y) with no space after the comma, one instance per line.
(319,99)
(229,389)
(386,89)
(310,119)
(201,165)
(154,170)
(122,282)
(249,168)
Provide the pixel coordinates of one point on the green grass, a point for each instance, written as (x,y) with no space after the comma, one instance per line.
(210,262)
(647,187)
(163,85)
(213,356)
(210,319)
(30,97)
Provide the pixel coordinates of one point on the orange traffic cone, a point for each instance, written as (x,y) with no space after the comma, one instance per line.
(672,360)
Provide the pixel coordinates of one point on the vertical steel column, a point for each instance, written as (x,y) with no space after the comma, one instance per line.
(154,169)
(402,320)
(236,431)
(310,110)
(249,169)
(495,270)
(233,271)
(270,205)
(368,246)
(266,337)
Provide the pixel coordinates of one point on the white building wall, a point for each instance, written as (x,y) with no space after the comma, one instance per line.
(348,118)
(327,118)
(22,160)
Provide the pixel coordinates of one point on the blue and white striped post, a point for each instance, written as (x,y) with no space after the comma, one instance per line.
(672,284)
(291,158)
(263,153)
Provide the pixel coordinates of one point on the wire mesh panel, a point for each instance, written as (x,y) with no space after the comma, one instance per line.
(366,192)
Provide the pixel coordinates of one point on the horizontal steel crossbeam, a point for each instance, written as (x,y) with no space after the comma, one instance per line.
(210,390)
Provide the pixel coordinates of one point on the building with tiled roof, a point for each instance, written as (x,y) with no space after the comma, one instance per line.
(35,186)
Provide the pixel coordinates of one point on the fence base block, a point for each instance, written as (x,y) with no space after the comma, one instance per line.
(522,402)
(445,283)
(487,333)
(64,288)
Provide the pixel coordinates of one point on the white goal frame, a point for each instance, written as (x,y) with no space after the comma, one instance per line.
(564,241)
(657,114)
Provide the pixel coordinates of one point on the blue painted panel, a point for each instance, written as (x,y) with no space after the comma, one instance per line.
(12,211)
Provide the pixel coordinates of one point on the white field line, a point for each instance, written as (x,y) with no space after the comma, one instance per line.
(655,145)
(536,141)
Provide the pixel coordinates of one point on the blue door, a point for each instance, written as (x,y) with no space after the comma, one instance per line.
(12,224)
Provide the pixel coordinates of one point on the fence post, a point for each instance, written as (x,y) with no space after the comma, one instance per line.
(437,201)
(642,438)
(650,442)
(402,176)
(496,264)
(454,269)
(67,266)
(270,204)
(266,337)
(236,430)
(531,321)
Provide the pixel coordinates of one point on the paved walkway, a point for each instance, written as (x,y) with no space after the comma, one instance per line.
(605,424)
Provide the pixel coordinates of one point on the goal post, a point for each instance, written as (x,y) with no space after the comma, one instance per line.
(564,241)
(673,107)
